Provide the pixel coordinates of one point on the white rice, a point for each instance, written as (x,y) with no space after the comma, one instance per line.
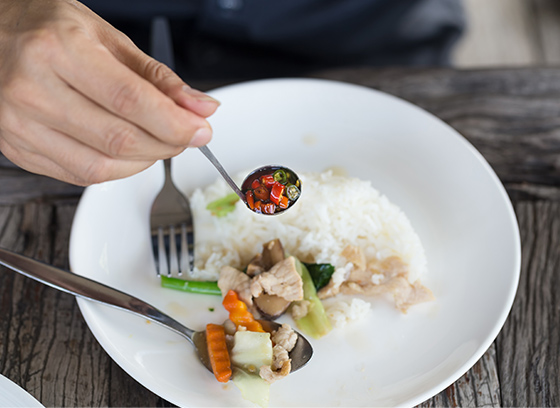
(332,213)
(342,312)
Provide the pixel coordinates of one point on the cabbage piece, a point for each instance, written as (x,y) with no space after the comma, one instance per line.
(316,322)
(253,388)
(251,350)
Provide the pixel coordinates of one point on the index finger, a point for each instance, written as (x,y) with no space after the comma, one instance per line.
(96,73)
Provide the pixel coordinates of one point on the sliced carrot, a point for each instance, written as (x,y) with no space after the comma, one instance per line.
(218,352)
(239,314)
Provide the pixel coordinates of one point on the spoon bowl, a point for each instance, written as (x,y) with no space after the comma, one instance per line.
(300,354)
(288,179)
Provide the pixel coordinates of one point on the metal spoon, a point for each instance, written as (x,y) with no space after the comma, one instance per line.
(82,287)
(247,182)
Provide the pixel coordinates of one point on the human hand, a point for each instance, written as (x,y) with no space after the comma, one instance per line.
(81,103)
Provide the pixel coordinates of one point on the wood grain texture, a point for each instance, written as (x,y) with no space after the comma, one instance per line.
(529,345)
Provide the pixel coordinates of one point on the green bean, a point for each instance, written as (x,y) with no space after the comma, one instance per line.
(200,287)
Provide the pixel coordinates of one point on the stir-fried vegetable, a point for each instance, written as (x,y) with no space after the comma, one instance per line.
(316,322)
(218,352)
(320,273)
(272,193)
(223,206)
(253,388)
(251,350)
(239,314)
(204,288)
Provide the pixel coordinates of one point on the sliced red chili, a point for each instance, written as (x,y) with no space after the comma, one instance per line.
(276,192)
(268,208)
(262,193)
(255,184)
(267,180)
(284,202)
(251,199)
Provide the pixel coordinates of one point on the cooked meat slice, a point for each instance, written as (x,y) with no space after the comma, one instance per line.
(404,293)
(281,365)
(300,309)
(393,266)
(331,289)
(339,276)
(360,276)
(231,278)
(282,280)
(272,253)
(355,255)
(285,337)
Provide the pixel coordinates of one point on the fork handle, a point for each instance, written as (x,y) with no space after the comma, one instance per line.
(86,288)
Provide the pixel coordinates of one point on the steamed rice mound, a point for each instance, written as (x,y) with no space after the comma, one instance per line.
(333,214)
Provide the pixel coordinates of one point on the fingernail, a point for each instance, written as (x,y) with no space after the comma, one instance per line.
(201,137)
(201,96)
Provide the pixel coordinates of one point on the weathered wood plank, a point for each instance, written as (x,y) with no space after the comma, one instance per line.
(479,387)
(45,345)
(528,347)
(19,186)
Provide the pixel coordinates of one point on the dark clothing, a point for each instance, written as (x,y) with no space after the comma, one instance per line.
(257,38)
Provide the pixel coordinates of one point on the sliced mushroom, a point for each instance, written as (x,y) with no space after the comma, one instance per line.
(272,253)
(255,266)
(271,306)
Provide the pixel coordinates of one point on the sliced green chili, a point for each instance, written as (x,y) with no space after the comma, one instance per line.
(280,176)
(292,192)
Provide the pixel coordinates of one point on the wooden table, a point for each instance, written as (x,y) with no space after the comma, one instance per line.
(511,116)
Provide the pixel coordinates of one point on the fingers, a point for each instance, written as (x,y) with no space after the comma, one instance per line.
(57,155)
(96,127)
(162,77)
(170,83)
(95,72)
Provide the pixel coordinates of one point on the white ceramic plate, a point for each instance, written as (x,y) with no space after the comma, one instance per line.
(13,396)
(453,198)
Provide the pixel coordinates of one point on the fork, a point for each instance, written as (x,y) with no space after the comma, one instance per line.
(171,221)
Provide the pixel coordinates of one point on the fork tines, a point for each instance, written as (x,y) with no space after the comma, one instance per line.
(173,254)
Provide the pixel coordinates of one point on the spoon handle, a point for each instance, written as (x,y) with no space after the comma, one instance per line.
(83,287)
(210,156)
